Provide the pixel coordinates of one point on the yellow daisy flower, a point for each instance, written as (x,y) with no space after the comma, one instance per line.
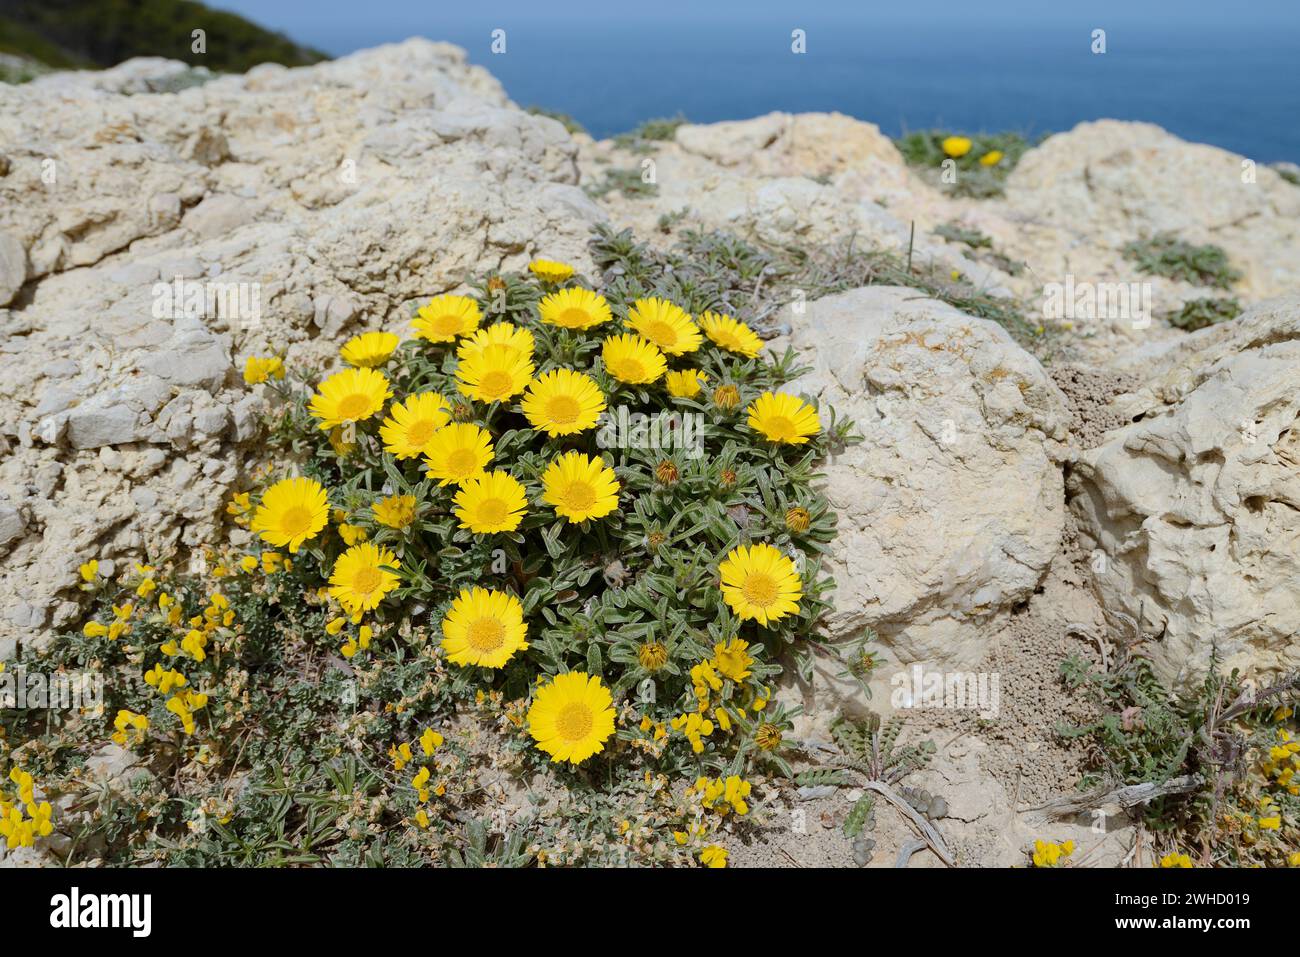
(783,418)
(760,583)
(494,502)
(991,158)
(580,487)
(562,402)
(494,373)
(571,717)
(258,369)
(713,856)
(458,452)
(362,577)
(665,324)
(349,396)
(443,318)
(731,334)
(498,334)
(686,383)
(956,146)
(484,627)
(732,659)
(574,309)
(396,511)
(632,359)
(548,270)
(292,511)
(369,349)
(411,425)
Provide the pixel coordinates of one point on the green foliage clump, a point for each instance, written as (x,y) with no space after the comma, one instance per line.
(1218,758)
(924,151)
(643,138)
(1166,255)
(566,120)
(1201,313)
(628,181)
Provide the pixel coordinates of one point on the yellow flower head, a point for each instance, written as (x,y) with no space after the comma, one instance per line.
(410,425)
(444,318)
(632,359)
(562,402)
(732,660)
(494,373)
(498,334)
(484,627)
(580,487)
(369,349)
(430,741)
(458,452)
(713,856)
(89,571)
(547,270)
(1176,860)
(362,577)
(783,418)
(260,368)
(731,334)
(493,502)
(991,158)
(956,146)
(292,511)
(665,324)
(760,583)
(686,383)
(396,511)
(571,717)
(574,309)
(350,396)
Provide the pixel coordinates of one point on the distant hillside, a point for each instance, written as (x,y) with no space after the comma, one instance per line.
(103,33)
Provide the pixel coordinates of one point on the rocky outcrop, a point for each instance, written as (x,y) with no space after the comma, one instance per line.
(302,205)
(1195,505)
(950,509)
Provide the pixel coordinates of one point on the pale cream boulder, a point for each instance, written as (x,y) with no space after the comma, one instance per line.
(1194,507)
(952,508)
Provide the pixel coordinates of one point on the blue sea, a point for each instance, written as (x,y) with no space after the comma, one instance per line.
(1231,79)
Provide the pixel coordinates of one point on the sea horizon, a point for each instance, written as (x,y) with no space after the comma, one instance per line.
(1235,87)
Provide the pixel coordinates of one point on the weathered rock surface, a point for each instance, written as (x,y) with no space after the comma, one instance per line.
(1196,503)
(951,508)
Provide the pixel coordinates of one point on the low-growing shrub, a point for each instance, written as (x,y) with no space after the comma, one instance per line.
(978,164)
(1166,255)
(557,529)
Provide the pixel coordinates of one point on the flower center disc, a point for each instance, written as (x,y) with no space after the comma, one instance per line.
(354,407)
(448,324)
(462,462)
(579,495)
(366,581)
(574,722)
(780,427)
(573,318)
(492,511)
(633,370)
(760,589)
(485,634)
(662,333)
(295,521)
(420,432)
(495,383)
(562,409)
